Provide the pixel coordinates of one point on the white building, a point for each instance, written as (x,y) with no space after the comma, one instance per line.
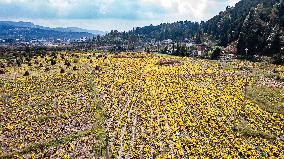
(168,41)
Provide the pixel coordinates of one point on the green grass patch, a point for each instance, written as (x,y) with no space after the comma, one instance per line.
(99,134)
(268,99)
(247,131)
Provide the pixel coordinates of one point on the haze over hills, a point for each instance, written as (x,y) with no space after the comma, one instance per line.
(28,31)
(67,29)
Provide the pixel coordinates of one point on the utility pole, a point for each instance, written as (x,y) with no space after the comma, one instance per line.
(246,52)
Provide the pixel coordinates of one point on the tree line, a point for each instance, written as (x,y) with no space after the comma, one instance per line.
(256,25)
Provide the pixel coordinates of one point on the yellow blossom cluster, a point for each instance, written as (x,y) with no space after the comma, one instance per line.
(150,107)
(193,109)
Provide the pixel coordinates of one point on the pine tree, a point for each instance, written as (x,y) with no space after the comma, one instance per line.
(253,33)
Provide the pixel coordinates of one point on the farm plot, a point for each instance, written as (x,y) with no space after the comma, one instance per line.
(85,105)
(171,107)
(50,113)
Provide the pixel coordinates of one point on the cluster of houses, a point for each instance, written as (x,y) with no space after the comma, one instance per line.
(169,46)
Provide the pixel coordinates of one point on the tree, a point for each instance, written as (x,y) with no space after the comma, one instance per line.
(198,39)
(165,50)
(253,33)
(216,54)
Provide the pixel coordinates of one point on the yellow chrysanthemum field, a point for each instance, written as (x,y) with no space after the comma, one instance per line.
(136,105)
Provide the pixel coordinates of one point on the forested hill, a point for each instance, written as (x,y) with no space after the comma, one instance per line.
(256,24)
(176,31)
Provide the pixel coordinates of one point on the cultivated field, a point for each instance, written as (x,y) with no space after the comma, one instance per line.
(130,105)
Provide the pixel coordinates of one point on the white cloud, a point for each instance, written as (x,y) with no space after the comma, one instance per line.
(62,7)
(128,13)
(233,2)
(104,6)
(192,8)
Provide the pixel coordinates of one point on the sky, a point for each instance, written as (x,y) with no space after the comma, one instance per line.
(106,15)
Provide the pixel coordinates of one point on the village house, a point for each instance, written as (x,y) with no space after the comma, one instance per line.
(201,49)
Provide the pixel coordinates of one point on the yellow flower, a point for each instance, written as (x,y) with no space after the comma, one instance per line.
(9,127)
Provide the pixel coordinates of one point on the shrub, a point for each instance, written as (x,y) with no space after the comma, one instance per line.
(99,56)
(19,63)
(26,73)
(68,64)
(2,72)
(2,65)
(53,62)
(98,68)
(62,70)
(46,69)
(278,59)
(9,64)
(216,54)
(75,68)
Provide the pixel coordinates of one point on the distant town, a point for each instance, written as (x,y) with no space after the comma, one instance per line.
(42,42)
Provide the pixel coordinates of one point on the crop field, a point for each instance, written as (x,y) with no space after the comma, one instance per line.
(50,113)
(136,105)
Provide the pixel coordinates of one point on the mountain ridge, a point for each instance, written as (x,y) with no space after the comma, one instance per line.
(62,29)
